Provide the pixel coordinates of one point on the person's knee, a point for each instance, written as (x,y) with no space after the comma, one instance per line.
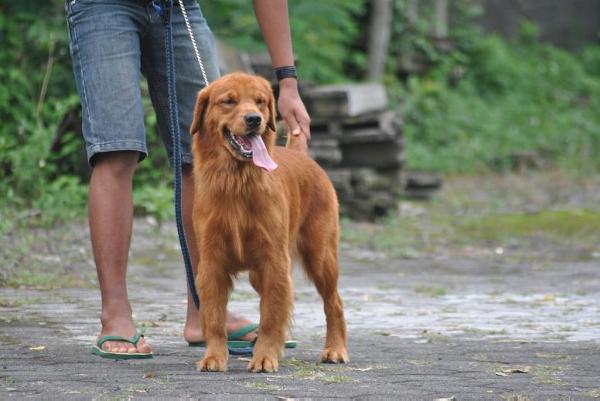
(116,164)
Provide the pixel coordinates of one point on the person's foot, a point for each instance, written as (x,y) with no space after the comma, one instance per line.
(192,333)
(124,327)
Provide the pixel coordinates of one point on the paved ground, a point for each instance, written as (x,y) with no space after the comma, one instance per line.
(471,327)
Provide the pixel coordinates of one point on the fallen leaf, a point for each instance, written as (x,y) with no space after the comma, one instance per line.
(38,348)
(509,371)
(520,369)
(362,369)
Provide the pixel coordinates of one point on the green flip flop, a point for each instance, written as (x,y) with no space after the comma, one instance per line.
(97,349)
(234,339)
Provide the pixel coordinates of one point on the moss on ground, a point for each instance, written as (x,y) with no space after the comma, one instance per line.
(453,223)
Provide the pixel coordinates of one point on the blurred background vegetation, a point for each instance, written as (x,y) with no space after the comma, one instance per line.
(471,102)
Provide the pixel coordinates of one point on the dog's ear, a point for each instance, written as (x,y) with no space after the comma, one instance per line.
(271,123)
(200,110)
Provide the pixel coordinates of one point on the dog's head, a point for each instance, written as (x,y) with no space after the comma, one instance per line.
(235,116)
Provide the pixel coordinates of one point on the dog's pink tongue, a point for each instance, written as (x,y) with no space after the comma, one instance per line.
(260,156)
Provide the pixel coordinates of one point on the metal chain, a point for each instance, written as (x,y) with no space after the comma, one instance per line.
(189,29)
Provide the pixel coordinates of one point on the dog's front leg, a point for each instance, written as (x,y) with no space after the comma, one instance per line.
(214,285)
(274,284)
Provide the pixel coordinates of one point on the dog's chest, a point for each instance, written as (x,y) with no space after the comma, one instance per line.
(246,236)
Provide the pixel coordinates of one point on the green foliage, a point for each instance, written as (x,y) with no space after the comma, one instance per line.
(153,200)
(323,33)
(490,98)
(39,91)
(477,103)
(48,180)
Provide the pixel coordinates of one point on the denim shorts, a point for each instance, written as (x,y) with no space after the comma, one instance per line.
(113,43)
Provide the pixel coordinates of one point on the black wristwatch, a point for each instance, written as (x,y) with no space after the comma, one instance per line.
(288,71)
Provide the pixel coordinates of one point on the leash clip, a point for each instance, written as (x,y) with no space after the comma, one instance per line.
(157,7)
(160,6)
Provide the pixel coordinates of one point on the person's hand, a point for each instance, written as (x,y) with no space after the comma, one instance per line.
(294,113)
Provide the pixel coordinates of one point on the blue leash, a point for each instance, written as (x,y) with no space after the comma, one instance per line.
(164,9)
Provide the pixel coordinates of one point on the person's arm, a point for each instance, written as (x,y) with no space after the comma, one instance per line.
(272,17)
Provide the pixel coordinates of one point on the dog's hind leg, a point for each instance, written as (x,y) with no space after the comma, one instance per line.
(317,247)
(273,282)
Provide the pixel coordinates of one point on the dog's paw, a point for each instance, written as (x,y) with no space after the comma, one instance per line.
(334,355)
(263,363)
(212,364)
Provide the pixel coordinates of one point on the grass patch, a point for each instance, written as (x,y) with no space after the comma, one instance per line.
(484,332)
(432,337)
(551,355)
(592,393)
(263,386)
(45,281)
(430,291)
(11,303)
(9,318)
(445,225)
(547,374)
(312,371)
(46,258)
(557,223)
(420,362)
(514,97)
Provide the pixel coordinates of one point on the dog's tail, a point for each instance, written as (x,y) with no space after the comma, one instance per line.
(297,142)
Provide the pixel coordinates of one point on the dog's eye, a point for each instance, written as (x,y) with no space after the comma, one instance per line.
(260,102)
(229,102)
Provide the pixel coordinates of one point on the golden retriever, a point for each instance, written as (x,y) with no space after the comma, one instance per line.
(254,205)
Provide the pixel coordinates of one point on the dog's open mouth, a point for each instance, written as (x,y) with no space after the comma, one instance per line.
(240,144)
(251,147)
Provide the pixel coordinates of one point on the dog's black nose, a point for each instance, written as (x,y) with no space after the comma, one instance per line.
(252,120)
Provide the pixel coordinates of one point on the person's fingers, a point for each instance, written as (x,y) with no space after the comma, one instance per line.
(295,116)
(304,122)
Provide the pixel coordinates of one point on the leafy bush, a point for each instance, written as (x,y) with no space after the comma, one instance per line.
(36,174)
(37,90)
(510,97)
(323,33)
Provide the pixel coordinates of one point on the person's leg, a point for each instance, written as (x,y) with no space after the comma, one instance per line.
(189,82)
(110,230)
(104,44)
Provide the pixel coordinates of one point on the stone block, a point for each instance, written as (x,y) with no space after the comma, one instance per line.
(325,151)
(379,155)
(340,101)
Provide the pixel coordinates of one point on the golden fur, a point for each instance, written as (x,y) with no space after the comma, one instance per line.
(246,218)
